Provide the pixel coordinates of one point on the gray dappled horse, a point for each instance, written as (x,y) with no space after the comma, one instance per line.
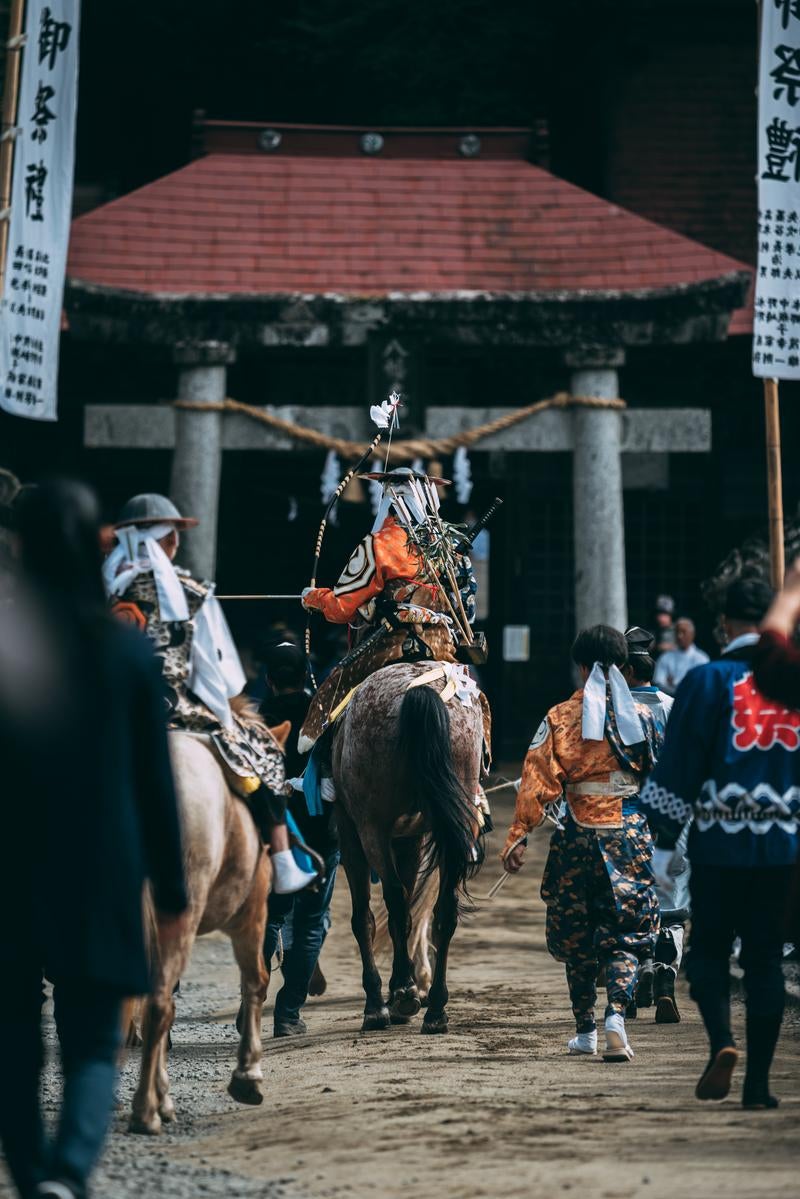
(406,766)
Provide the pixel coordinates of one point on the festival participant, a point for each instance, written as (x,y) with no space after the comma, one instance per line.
(81,722)
(731,760)
(297,922)
(598,885)
(776,658)
(398,574)
(776,669)
(674,664)
(657,975)
(201,667)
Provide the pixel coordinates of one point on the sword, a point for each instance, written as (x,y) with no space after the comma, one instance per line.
(480,524)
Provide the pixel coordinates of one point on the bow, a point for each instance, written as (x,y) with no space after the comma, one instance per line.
(384,421)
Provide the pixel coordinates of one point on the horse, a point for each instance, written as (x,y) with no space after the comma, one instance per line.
(228,877)
(406,770)
(423,901)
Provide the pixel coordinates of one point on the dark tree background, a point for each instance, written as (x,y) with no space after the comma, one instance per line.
(147,65)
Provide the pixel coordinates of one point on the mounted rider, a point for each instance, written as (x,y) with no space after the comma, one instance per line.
(407,593)
(201,666)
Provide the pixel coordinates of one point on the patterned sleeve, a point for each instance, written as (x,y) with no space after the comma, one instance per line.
(359,582)
(542,782)
(685,762)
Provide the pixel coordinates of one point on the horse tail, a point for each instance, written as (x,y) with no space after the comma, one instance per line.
(425,755)
(423,901)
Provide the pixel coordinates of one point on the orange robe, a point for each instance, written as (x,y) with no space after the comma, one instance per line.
(559,759)
(377,560)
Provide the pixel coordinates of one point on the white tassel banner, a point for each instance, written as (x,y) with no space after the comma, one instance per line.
(462,475)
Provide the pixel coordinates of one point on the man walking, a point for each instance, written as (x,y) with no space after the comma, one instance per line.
(673,666)
(731,760)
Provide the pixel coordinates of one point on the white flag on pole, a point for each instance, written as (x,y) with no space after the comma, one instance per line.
(41,206)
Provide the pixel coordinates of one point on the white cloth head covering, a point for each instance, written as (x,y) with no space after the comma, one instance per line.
(137,552)
(593,723)
(419,495)
(216,674)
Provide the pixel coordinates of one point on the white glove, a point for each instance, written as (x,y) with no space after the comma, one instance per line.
(303,595)
(662,868)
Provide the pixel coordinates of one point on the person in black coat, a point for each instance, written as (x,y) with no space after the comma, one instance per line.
(299,922)
(90,814)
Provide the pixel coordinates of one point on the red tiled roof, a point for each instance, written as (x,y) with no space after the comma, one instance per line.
(249,223)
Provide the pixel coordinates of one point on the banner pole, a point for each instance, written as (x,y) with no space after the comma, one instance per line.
(9,119)
(774,482)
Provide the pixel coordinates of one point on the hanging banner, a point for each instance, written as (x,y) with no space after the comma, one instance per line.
(41,207)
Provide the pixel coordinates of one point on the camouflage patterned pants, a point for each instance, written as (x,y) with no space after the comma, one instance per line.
(602,910)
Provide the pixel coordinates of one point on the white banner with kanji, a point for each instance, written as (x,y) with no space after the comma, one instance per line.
(41,206)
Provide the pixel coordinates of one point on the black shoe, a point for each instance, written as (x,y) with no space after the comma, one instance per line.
(666,1007)
(644,987)
(290,1028)
(758,1098)
(715,1081)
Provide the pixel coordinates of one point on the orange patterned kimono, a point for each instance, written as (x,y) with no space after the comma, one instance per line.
(602,908)
(558,760)
(386,564)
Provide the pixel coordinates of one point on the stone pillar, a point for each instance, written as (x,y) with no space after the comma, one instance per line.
(599,526)
(197,459)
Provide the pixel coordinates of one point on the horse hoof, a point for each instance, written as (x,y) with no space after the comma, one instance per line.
(145,1128)
(434,1024)
(167,1113)
(246,1090)
(403,1004)
(375,1021)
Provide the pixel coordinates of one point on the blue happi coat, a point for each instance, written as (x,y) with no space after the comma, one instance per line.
(730,760)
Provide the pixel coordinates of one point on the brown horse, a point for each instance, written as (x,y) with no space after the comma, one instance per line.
(406,768)
(228,879)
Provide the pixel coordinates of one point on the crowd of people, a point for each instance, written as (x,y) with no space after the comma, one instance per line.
(673,782)
(704,790)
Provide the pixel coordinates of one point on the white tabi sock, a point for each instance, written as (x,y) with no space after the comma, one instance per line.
(287,876)
(584,1042)
(616,1023)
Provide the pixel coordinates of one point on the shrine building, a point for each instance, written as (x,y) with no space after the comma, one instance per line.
(313,270)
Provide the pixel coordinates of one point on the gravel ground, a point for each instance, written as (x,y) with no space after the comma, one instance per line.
(201,1061)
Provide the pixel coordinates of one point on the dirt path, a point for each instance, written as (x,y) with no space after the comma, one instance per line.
(493,1109)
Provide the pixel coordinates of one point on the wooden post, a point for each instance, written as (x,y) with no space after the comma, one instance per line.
(774,482)
(9,120)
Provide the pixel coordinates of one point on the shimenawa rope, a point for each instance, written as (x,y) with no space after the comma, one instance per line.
(403,450)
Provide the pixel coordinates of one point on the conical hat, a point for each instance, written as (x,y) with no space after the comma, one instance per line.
(152,509)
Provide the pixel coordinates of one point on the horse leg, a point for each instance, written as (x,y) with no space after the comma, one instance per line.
(166,1106)
(446,920)
(159,1015)
(397,888)
(152,1102)
(420,956)
(356,867)
(247,938)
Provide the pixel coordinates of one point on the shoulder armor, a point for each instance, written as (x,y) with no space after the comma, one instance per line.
(193,586)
